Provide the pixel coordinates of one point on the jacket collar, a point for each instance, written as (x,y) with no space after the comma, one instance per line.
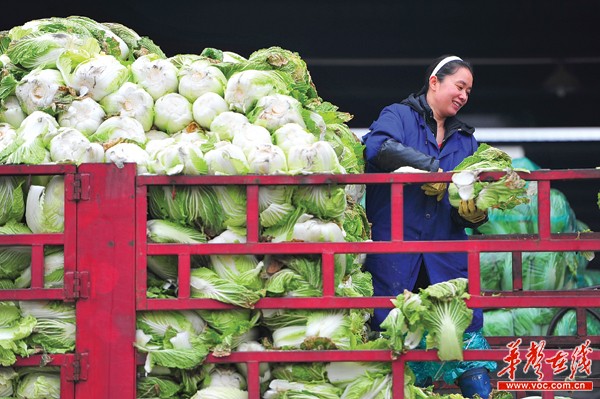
(418,102)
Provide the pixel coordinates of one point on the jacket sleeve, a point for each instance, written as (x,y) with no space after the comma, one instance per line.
(393,155)
(385,149)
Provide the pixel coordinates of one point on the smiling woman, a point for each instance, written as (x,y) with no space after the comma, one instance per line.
(448,93)
(423,132)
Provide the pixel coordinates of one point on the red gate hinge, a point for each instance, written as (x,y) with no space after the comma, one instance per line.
(81,187)
(76,368)
(76,285)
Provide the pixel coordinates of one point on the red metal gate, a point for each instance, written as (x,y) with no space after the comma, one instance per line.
(543,241)
(105,271)
(70,364)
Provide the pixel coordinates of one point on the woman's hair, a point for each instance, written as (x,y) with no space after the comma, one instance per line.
(449,68)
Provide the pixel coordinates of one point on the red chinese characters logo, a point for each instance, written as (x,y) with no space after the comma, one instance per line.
(512,359)
(558,362)
(535,357)
(580,360)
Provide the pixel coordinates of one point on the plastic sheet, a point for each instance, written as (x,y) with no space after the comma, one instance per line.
(428,372)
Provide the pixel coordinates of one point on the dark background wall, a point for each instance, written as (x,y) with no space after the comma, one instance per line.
(537,63)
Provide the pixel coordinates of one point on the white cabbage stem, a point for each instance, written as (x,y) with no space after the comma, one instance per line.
(206,107)
(199,78)
(98,76)
(248,136)
(156,75)
(291,135)
(40,89)
(274,111)
(319,157)
(70,145)
(119,127)
(465,183)
(172,113)
(131,100)
(122,153)
(11,111)
(85,115)
(267,159)
(227,123)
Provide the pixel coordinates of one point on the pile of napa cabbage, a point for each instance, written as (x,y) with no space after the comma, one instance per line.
(74,90)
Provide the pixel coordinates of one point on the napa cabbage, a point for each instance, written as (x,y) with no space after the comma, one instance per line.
(85,115)
(130,100)
(505,193)
(30,142)
(244,89)
(205,283)
(177,155)
(171,338)
(199,78)
(158,76)
(206,107)
(440,310)
(187,205)
(41,90)
(267,159)
(122,153)
(44,209)
(43,49)
(54,264)
(13,199)
(11,111)
(227,123)
(96,76)
(119,128)
(165,231)
(71,146)
(172,113)
(279,389)
(275,111)
(318,157)
(291,135)
(39,384)
(14,259)
(226,159)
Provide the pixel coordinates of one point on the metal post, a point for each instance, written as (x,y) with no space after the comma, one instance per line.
(106,250)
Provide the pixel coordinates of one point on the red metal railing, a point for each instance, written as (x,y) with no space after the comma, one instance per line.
(543,241)
(106,248)
(37,242)
(68,363)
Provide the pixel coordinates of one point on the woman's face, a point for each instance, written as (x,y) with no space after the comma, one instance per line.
(452,93)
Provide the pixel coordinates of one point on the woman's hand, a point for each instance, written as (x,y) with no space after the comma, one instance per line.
(469,211)
(435,189)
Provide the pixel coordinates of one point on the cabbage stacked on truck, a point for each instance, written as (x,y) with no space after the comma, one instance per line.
(75,91)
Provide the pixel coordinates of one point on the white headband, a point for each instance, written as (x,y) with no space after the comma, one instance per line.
(444,62)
